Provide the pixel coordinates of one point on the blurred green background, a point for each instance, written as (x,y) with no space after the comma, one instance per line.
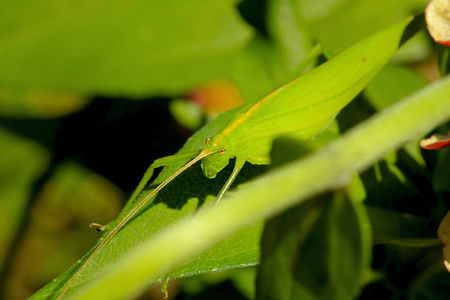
(91,92)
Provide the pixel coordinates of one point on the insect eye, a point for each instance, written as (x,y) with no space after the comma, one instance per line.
(221,151)
(208,140)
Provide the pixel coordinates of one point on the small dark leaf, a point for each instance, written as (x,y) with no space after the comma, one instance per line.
(441,175)
(317,250)
(401,228)
(444,59)
(435,287)
(444,235)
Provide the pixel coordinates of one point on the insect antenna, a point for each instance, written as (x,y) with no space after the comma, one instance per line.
(128,217)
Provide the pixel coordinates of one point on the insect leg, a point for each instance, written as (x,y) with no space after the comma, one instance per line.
(130,214)
(161,162)
(237,167)
(143,184)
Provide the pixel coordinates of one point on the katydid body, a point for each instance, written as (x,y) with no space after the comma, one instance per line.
(291,110)
(298,109)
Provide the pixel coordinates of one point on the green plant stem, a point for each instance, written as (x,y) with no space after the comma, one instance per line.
(329,168)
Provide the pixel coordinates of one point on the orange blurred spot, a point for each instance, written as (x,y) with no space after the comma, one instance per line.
(217,97)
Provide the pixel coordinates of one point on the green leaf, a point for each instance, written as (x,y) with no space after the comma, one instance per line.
(191,191)
(362,18)
(288,31)
(120,48)
(328,168)
(317,250)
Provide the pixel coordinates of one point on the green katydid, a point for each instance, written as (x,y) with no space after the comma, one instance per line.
(298,109)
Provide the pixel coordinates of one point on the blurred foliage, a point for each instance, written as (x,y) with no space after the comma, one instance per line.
(22,164)
(83,47)
(39,104)
(74,140)
(57,228)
